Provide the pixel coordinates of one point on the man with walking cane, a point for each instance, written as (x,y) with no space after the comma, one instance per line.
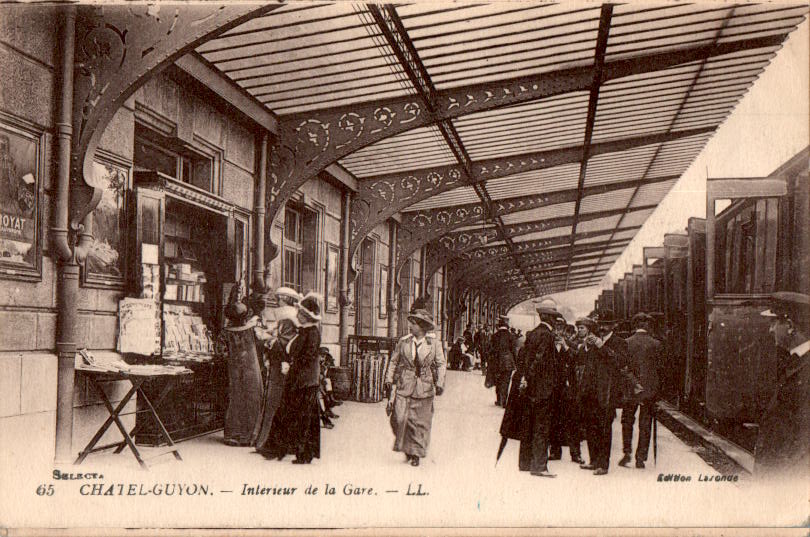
(644,353)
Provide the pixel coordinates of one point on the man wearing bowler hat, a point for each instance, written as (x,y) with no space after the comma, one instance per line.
(783,445)
(644,352)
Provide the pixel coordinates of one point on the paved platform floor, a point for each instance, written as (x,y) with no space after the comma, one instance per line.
(458,483)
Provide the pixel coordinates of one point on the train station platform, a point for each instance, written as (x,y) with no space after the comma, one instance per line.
(458,484)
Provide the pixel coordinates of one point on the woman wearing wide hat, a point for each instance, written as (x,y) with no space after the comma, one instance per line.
(417,369)
(297,427)
(244,374)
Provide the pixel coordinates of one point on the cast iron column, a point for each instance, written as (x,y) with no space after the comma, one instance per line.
(343,300)
(391,292)
(259,215)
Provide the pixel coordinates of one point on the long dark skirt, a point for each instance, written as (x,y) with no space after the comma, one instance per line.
(273,396)
(296,429)
(245,387)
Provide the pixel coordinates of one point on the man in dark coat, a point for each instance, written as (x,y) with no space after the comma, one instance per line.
(468,336)
(606,368)
(503,360)
(539,378)
(783,446)
(645,354)
(557,433)
(478,344)
(485,344)
(567,425)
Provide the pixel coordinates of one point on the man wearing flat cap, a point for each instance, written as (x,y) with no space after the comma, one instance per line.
(644,352)
(783,445)
(538,380)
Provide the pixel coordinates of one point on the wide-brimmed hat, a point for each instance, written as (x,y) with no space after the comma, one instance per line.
(786,303)
(237,313)
(311,306)
(503,320)
(422,316)
(287,292)
(640,318)
(546,306)
(585,321)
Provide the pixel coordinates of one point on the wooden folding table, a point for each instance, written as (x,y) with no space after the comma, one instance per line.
(98,377)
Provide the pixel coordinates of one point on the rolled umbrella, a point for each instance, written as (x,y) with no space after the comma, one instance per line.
(655,435)
(504,440)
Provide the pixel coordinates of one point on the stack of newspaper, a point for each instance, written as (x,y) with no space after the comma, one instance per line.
(90,362)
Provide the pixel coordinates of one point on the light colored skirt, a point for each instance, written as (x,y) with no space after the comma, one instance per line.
(411,422)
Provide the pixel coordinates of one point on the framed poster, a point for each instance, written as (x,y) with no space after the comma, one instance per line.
(21,166)
(383,292)
(332,270)
(106,261)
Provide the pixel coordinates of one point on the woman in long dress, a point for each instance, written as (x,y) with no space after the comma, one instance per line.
(244,376)
(296,429)
(417,368)
(281,329)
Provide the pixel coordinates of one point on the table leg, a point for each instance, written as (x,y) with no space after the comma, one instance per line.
(113,417)
(136,384)
(163,394)
(159,423)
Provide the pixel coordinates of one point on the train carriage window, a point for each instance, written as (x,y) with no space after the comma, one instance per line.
(746,247)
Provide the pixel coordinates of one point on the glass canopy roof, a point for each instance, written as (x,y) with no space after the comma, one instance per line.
(305,57)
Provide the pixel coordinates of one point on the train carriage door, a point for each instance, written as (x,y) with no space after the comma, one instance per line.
(694,273)
(741,245)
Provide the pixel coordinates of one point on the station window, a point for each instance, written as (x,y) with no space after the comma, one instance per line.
(293,249)
(156,152)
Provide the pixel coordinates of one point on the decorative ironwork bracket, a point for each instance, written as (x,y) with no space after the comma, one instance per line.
(118,48)
(537,261)
(380,198)
(520,287)
(450,246)
(420,227)
(542,280)
(480,259)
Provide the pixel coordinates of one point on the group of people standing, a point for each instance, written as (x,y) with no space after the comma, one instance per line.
(274,365)
(566,388)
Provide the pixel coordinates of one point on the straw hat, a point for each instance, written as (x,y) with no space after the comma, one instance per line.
(286,291)
(547,306)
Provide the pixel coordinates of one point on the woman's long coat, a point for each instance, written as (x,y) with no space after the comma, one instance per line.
(416,379)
